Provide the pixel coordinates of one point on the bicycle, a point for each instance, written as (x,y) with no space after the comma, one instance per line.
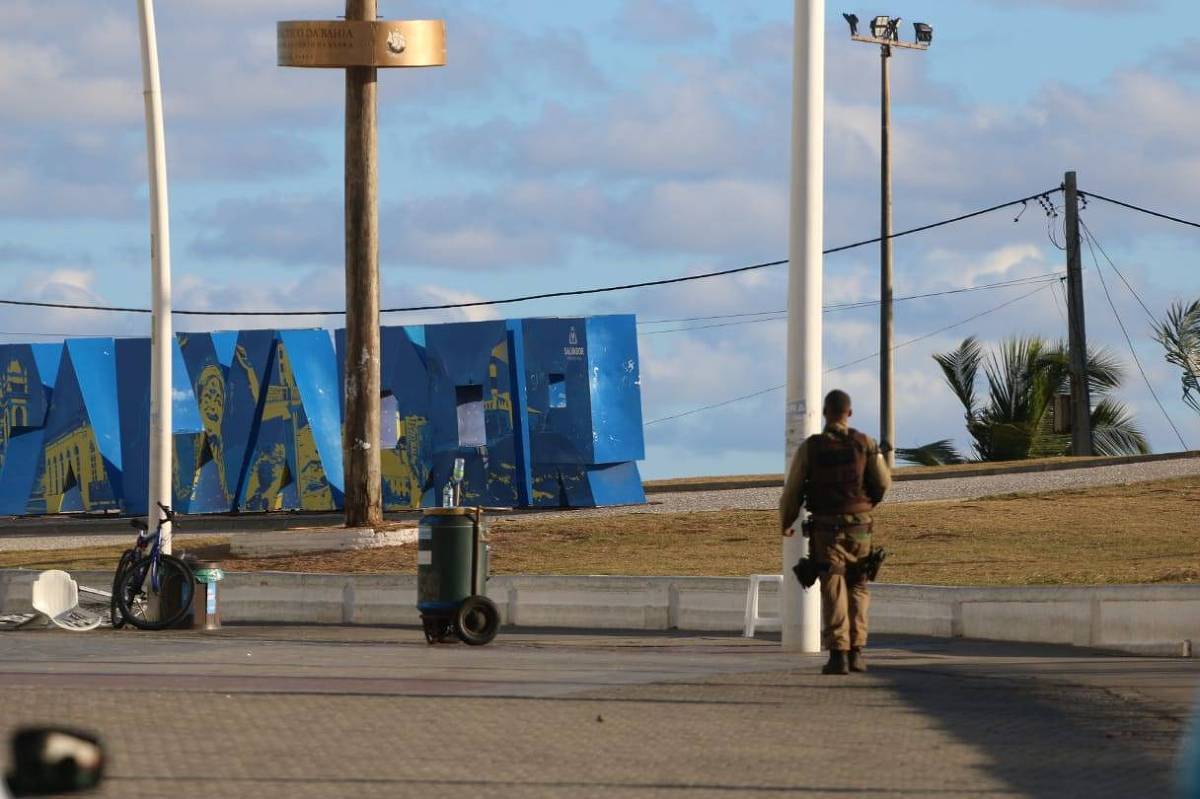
(138,596)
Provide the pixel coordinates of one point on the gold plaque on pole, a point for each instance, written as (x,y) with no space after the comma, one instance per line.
(339,44)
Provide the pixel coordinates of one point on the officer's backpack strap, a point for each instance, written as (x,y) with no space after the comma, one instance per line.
(862,439)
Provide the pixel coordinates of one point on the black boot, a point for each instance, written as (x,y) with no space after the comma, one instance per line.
(837,663)
(857,661)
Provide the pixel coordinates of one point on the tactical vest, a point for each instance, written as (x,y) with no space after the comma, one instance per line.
(836,465)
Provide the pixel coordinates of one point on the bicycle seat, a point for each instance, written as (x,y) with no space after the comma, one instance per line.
(139,524)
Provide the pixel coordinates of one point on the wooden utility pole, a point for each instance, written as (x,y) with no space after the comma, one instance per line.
(1081,400)
(360,433)
(361,45)
(887,412)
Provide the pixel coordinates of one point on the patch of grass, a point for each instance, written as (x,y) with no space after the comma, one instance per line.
(1142,533)
(95,558)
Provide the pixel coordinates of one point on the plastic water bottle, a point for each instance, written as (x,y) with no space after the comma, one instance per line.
(448,496)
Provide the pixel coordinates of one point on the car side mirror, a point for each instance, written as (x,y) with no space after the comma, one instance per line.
(53,761)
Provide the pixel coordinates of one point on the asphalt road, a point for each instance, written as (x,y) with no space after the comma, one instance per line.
(304,711)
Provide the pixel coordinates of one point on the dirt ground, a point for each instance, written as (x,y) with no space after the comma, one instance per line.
(1143,533)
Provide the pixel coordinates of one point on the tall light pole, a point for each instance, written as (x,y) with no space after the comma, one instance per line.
(800,610)
(161,345)
(885,32)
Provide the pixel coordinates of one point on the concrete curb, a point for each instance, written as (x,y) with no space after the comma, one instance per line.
(330,539)
(1142,619)
(902,475)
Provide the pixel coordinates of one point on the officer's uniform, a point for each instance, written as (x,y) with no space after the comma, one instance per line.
(839,476)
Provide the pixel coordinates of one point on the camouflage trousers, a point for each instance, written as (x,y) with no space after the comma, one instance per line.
(845,595)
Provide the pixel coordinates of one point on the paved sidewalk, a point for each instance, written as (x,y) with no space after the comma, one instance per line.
(309,711)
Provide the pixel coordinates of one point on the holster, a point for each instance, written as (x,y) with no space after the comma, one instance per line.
(807,571)
(869,566)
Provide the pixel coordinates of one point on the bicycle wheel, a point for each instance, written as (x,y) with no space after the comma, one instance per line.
(114,612)
(147,609)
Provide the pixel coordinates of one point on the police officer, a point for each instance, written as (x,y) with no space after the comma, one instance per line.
(839,476)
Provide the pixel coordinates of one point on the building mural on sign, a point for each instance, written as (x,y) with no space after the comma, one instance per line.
(543,412)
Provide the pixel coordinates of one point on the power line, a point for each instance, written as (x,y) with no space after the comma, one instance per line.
(714,405)
(542,296)
(961,218)
(1139,208)
(764,316)
(710,327)
(1129,341)
(1093,240)
(708,318)
(933,333)
(850,363)
(55,335)
(777,318)
(1058,307)
(1031,279)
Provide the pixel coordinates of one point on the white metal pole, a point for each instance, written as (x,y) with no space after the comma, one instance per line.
(801,609)
(161,348)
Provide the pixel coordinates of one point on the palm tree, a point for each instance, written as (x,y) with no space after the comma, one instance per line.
(1016,418)
(1179,334)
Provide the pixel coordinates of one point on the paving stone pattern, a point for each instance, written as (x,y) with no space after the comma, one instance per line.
(302,712)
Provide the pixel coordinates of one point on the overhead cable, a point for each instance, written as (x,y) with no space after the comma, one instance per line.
(851,363)
(542,296)
(1048,277)
(1087,231)
(1139,208)
(1129,341)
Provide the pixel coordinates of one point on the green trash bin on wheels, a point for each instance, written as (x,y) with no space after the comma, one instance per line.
(452,566)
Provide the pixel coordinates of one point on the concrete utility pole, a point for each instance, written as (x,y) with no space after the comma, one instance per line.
(161,345)
(885,34)
(1081,399)
(800,609)
(887,411)
(361,44)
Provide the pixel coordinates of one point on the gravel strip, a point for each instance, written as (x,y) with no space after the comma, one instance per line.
(32,543)
(917,490)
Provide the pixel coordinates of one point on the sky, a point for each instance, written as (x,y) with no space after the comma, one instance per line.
(570,145)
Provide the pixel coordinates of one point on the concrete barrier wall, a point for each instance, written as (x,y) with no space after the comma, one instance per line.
(1151,618)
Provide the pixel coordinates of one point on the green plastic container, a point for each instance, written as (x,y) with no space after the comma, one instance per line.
(451,559)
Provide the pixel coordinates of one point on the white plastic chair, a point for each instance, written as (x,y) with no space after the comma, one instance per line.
(752,618)
(56,596)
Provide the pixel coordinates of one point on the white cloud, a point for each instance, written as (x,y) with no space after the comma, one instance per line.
(659,21)
(1083,5)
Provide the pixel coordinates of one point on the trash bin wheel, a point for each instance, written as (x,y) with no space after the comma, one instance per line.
(477,620)
(436,629)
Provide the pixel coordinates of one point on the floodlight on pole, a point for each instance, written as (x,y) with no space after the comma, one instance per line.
(886,35)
